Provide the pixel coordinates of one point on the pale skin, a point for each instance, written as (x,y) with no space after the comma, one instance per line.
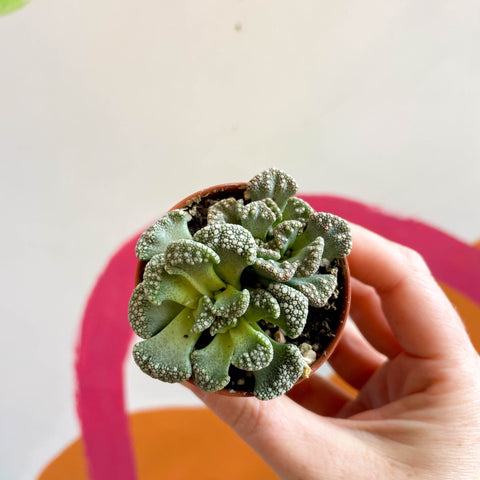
(417,413)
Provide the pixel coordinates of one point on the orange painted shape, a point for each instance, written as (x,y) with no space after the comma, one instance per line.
(179,444)
(468,311)
(69,464)
(182,443)
(346,387)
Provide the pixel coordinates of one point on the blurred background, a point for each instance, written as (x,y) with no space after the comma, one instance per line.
(112,111)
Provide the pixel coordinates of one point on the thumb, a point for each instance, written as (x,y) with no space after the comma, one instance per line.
(295,442)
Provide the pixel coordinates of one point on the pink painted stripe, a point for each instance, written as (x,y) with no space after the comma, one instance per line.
(105,336)
(452,262)
(102,348)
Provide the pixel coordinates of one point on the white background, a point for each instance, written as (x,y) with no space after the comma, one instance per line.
(112,111)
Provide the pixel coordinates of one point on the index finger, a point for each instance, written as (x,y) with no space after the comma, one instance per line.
(418,312)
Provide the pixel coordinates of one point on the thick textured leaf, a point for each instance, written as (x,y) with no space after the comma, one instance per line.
(231,302)
(203,314)
(147,319)
(257,217)
(225,211)
(263,306)
(154,240)
(252,348)
(309,258)
(194,261)
(281,374)
(274,184)
(166,356)
(210,364)
(273,270)
(317,288)
(234,245)
(293,309)
(297,209)
(160,285)
(334,230)
(284,235)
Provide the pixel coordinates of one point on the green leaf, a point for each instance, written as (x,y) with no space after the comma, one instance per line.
(160,285)
(293,309)
(285,234)
(166,356)
(257,217)
(309,258)
(195,262)
(274,184)
(210,364)
(334,230)
(297,209)
(234,245)
(225,211)
(263,306)
(277,271)
(252,348)
(147,319)
(317,288)
(265,252)
(231,302)
(223,324)
(204,315)
(274,208)
(281,374)
(154,240)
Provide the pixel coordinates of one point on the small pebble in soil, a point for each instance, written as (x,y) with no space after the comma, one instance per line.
(306,371)
(279,337)
(308,353)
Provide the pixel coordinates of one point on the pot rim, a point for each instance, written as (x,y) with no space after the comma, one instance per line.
(239,186)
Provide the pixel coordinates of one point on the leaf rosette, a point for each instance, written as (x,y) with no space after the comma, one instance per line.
(209,300)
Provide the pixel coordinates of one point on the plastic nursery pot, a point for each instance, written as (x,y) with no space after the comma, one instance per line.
(327,322)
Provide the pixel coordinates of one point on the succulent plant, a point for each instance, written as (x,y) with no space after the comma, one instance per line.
(207,295)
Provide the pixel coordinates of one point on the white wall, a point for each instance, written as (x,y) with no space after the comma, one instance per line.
(111,111)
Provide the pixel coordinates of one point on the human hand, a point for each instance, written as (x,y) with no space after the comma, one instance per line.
(417,413)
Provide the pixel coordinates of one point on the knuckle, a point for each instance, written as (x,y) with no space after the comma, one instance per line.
(414,260)
(409,265)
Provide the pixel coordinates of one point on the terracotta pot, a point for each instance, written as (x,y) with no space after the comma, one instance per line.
(237,189)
